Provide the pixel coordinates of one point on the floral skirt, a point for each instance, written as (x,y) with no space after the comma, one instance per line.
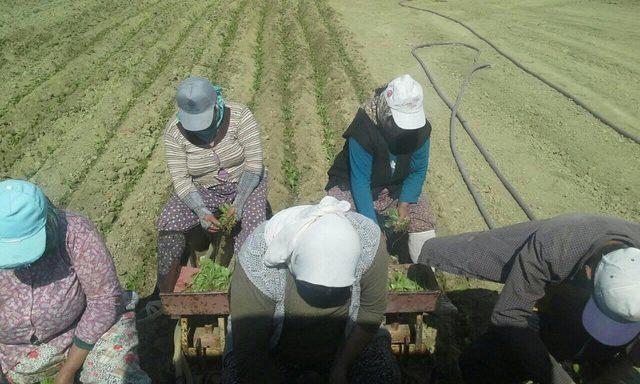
(420,213)
(113,359)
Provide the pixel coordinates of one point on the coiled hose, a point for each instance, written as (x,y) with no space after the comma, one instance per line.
(452,134)
(561,90)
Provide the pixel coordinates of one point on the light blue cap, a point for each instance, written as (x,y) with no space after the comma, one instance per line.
(196,100)
(23,219)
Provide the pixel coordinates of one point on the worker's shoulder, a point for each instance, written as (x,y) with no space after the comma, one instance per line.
(171,128)
(237,109)
(76,222)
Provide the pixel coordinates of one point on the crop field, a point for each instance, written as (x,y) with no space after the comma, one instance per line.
(87,87)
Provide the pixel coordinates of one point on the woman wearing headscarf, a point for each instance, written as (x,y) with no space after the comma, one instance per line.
(63,311)
(383,164)
(214,156)
(308,297)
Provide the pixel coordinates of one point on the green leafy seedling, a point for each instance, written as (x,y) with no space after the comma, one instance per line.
(399,282)
(228,219)
(211,277)
(395,223)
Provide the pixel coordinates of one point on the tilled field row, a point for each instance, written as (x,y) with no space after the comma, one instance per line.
(77,91)
(30,61)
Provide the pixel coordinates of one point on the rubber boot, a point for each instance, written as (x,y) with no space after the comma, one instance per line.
(416,241)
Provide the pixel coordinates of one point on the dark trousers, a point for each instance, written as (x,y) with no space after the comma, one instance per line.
(488,360)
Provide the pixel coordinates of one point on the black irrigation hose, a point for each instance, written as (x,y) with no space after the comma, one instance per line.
(565,93)
(452,136)
(454,147)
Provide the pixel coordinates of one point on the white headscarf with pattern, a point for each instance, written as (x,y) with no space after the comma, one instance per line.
(316,242)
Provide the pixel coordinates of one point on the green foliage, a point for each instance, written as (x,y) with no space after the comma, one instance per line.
(135,279)
(211,277)
(228,220)
(47,381)
(289,50)
(398,282)
(395,223)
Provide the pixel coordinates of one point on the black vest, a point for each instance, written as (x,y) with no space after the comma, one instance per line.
(379,141)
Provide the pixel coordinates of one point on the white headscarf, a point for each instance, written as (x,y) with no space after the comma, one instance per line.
(316,242)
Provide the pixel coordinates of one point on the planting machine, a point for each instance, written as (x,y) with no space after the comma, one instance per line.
(203,318)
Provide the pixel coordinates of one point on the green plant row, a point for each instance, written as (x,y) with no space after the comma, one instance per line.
(62,42)
(357,78)
(258,54)
(76,88)
(320,75)
(289,54)
(142,81)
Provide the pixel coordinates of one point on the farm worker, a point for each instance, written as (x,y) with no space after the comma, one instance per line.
(214,156)
(63,311)
(571,294)
(308,295)
(383,163)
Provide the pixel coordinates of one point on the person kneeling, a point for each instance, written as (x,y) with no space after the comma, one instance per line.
(307,300)
(63,311)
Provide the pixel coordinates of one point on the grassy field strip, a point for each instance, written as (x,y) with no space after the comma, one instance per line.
(10,12)
(37,27)
(267,109)
(555,130)
(23,75)
(79,157)
(106,184)
(585,75)
(308,135)
(132,238)
(266,7)
(352,64)
(107,86)
(336,100)
(74,90)
(235,69)
(290,60)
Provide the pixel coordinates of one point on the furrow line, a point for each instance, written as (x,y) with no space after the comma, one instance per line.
(53,64)
(70,92)
(360,81)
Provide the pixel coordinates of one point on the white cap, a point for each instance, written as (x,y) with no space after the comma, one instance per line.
(404,97)
(318,243)
(327,253)
(612,315)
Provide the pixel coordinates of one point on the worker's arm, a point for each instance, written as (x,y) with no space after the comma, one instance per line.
(96,273)
(249,139)
(412,185)
(176,158)
(361,163)
(251,320)
(373,302)
(513,312)
(72,364)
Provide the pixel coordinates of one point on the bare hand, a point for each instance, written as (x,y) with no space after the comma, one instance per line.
(403,211)
(64,377)
(231,211)
(215,224)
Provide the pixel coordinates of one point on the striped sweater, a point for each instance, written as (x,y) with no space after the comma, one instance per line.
(192,166)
